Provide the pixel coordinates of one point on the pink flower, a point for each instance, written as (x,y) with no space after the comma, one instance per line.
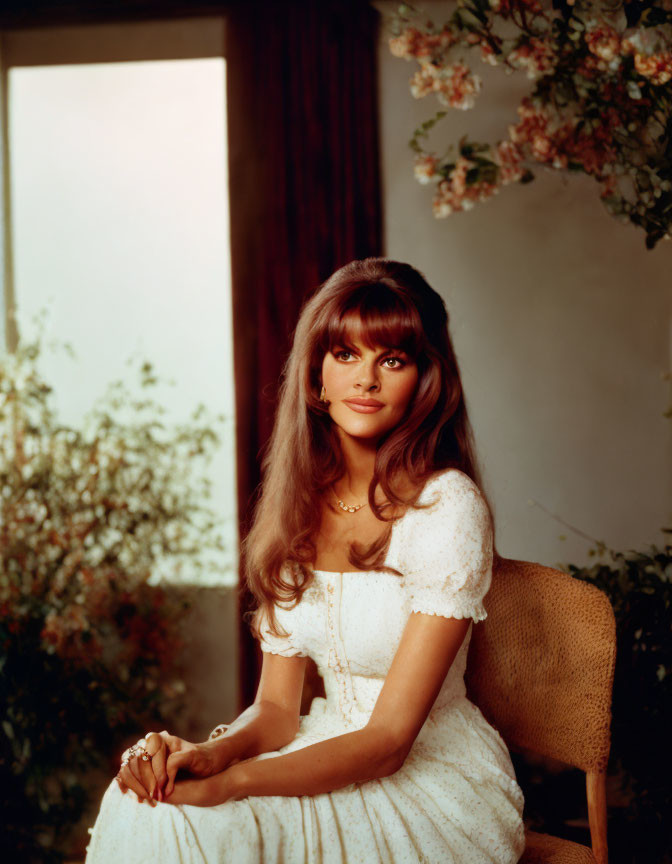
(541,147)
(454,85)
(404,44)
(508,156)
(535,55)
(488,53)
(425,168)
(422,83)
(453,194)
(412,43)
(604,42)
(656,67)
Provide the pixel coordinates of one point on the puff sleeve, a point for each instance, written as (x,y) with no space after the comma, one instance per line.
(448,549)
(271,644)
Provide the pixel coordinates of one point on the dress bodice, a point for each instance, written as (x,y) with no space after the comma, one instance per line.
(351,623)
(363,615)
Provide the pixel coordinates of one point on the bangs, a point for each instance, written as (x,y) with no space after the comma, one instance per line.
(375,315)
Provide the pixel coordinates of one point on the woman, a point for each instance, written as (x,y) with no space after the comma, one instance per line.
(371,552)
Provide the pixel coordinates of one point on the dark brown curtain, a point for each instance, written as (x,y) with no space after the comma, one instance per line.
(305,199)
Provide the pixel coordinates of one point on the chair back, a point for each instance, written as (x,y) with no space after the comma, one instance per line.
(541,665)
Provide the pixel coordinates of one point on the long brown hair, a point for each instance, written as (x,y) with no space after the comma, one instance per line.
(399,309)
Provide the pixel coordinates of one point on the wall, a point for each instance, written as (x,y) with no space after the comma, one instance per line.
(210,658)
(561,320)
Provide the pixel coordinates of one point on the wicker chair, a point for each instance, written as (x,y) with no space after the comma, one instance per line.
(541,669)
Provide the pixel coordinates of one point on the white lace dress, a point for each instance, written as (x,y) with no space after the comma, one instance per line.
(455,800)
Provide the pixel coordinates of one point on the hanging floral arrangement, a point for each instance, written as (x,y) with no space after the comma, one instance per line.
(601,102)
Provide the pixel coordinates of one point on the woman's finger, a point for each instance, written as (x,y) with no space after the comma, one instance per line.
(144,755)
(132,782)
(157,749)
(142,769)
(173,743)
(178,760)
(189,792)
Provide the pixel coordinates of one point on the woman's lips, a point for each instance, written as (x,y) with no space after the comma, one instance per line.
(363,409)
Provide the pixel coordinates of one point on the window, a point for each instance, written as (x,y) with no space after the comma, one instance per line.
(118,200)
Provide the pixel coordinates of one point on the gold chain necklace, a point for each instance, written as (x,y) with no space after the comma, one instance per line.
(348,508)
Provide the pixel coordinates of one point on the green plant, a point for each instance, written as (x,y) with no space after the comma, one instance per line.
(600,104)
(639,586)
(88,646)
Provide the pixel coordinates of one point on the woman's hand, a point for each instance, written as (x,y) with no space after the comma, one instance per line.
(153,778)
(209,791)
(200,760)
(143,767)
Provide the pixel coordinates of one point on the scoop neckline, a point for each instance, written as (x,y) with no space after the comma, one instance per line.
(394,525)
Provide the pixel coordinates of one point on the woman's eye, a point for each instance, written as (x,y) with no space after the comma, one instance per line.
(390,362)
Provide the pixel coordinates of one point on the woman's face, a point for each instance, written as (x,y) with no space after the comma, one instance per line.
(369,388)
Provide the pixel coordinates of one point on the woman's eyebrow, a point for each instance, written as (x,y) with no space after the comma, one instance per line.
(395,349)
(350,346)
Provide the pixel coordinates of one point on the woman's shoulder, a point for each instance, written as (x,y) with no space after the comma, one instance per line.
(450,529)
(448,484)
(449,495)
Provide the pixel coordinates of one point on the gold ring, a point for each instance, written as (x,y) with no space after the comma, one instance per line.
(136,750)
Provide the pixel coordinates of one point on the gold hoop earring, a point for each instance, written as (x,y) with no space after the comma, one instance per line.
(323,395)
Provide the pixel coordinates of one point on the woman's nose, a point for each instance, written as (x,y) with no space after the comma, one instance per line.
(367,377)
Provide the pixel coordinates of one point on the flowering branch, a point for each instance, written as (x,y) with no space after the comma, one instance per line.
(601,103)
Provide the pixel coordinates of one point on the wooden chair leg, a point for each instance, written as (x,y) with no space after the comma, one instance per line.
(596,793)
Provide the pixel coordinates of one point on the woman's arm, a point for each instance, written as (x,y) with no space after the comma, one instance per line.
(425,654)
(427,649)
(262,727)
(268,724)
(354,757)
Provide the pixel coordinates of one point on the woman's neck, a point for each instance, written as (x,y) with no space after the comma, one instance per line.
(359,455)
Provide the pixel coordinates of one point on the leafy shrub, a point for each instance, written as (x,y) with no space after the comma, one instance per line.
(88,645)
(639,586)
